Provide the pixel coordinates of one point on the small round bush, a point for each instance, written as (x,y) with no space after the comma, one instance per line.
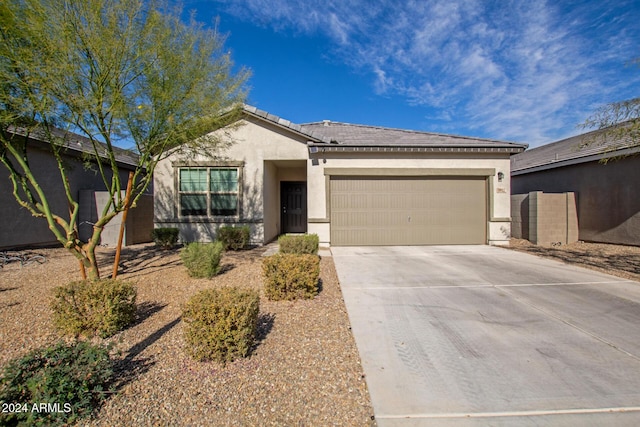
(234,238)
(290,276)
(221,323)
(299,244)
(64,382)
(101,307)
(202,259)
(165,237)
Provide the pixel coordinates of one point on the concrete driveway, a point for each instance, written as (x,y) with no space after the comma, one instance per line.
(480,335)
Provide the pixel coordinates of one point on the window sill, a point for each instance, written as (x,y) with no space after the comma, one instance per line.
(213,220)
(206,219)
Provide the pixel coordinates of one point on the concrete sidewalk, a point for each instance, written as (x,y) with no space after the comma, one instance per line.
(480,335)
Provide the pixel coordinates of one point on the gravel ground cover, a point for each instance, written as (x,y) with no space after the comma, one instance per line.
(618,260)
(304,370)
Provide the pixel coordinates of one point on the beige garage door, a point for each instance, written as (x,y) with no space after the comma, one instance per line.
(408,210)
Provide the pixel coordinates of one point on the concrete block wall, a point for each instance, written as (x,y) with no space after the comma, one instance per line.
(572,218)
(550,215)
(520,216)
(545,219)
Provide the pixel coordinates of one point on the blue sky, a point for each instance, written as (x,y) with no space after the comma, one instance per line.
(526,71)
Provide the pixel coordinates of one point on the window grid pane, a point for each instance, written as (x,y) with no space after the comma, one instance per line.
(193,180)
(222,194)
(224,204)
(224,180)
(193,204)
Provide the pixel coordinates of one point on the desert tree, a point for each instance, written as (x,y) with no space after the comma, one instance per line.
(616,124)
(128,73)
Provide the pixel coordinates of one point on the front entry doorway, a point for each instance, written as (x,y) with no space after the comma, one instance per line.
(293,196)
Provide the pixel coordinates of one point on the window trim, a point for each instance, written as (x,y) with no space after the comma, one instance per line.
(208,165)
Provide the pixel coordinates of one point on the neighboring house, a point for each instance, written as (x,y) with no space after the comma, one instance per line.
(350,184)
(607,195)
(18,228)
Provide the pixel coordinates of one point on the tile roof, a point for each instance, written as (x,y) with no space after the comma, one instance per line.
(576,149)
(375,136)
(363,135)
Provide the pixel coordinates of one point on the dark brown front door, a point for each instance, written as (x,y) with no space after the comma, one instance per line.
(293,196)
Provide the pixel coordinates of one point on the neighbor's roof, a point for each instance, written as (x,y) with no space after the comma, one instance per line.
(352,137)
(576,149)
(80,144)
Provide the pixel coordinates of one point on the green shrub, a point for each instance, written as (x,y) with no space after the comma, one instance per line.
(74,377)
(291,276)
(202,259)
(299,244)
(101,307)
(234,238)
(166,237)
(221,323)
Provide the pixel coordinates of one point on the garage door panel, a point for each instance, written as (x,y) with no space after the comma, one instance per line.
(367,220)
(408,211)
(362,236)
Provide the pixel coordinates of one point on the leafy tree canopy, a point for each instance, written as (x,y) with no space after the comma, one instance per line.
(117,72)
(617,123)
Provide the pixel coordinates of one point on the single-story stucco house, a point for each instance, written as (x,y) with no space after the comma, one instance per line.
(18,228)
(350,184)
(606,194)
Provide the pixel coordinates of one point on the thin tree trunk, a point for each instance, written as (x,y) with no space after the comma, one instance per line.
(127,198)
(83,271)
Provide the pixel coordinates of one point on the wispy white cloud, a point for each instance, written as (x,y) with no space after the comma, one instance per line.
(527,71)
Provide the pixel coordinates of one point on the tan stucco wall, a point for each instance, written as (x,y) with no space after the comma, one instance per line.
(272,154)
(267,151)
(292,174)
(499,224)
(271,201)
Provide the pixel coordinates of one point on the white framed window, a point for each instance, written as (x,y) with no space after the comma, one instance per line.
(209,191)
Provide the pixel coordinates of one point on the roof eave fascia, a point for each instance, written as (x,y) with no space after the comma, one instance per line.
(577,160)
(376,148)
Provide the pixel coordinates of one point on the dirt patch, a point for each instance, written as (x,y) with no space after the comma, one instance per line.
(304,370)
(621,261)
